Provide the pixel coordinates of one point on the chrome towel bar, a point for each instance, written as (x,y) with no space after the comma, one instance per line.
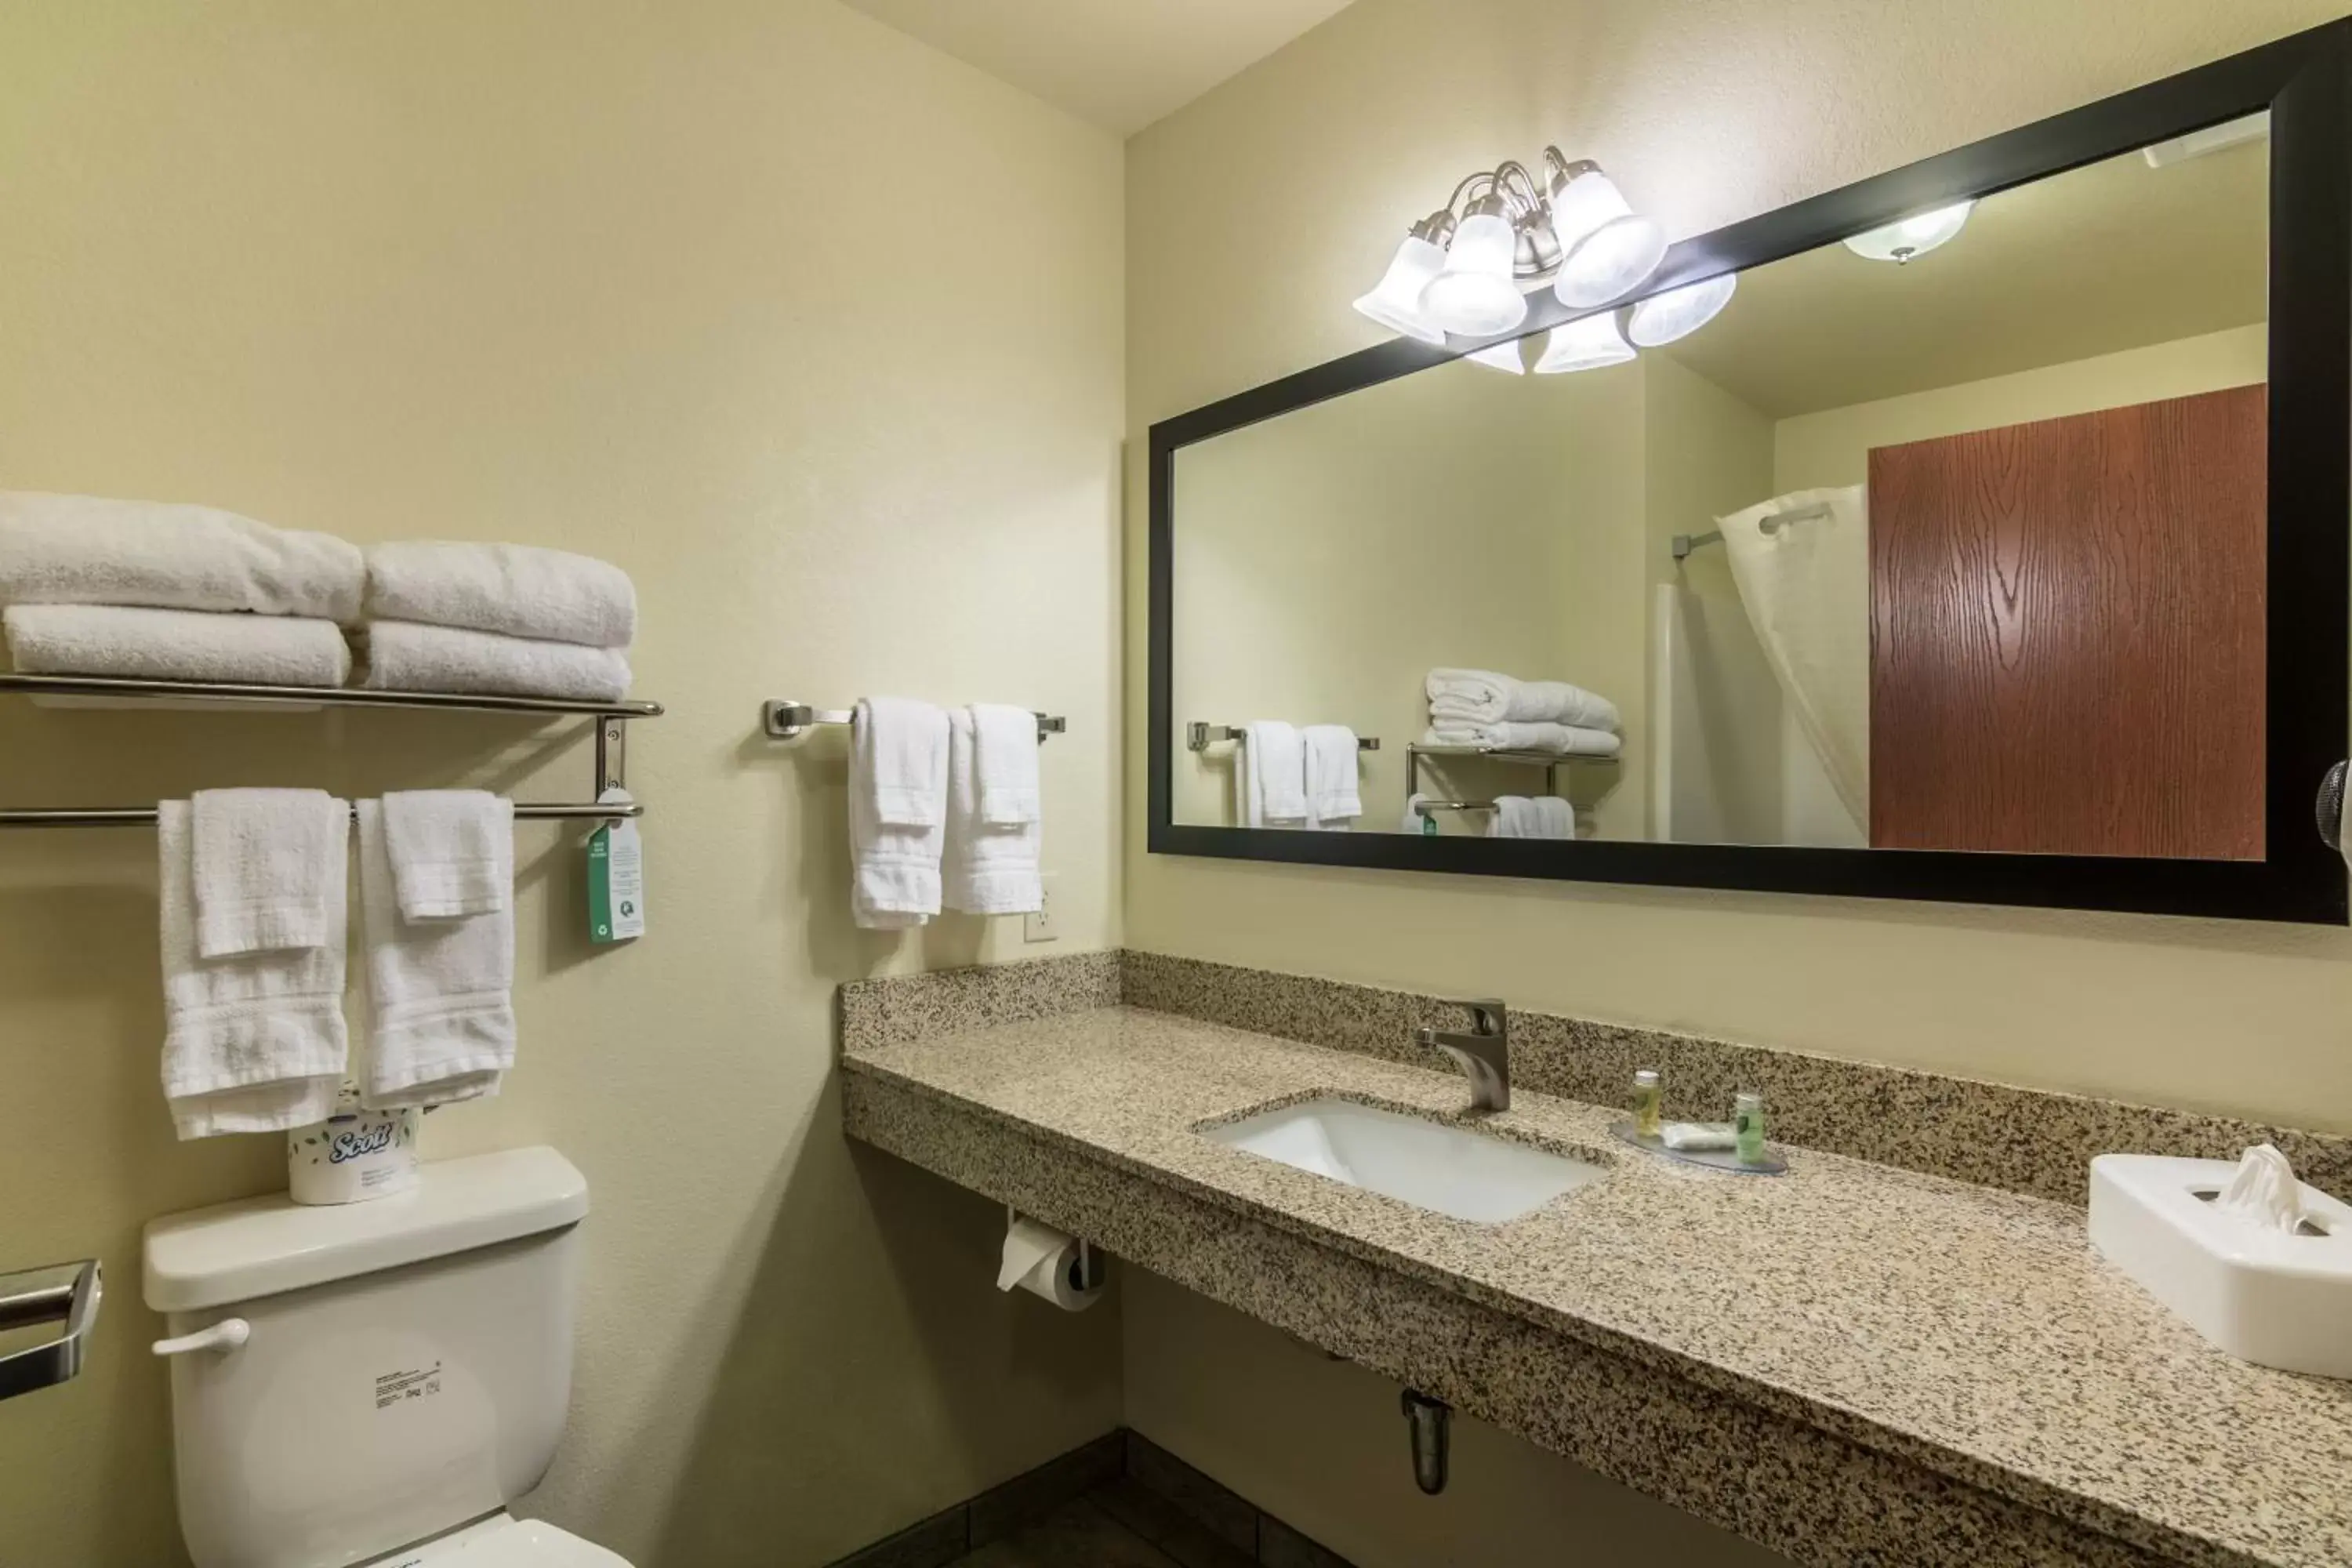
(1200,737)
(786,719)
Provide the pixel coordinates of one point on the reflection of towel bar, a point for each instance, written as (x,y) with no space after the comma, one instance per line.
(1200,737)
(1772,523)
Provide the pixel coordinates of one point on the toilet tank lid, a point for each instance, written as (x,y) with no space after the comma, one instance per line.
(261,1247)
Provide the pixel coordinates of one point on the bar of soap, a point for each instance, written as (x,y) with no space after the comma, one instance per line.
(1688,1136)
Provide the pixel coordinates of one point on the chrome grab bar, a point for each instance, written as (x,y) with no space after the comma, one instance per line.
(62,1292)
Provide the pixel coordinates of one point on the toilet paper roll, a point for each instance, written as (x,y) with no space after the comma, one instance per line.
(1047,1262)
(353,1156)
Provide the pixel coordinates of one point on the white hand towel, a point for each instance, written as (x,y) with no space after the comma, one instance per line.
(441,1024)
(1511,735)
(1333,802)
(92,550)
(403,656)
(985,870)
(1554,818)
(270,869)
(253,1043)
(897,811)
(1272,775)
(174,644)
(517,590)
(1413,821)
(1482,695)
(1543,817)
(1004,761)
(452,852)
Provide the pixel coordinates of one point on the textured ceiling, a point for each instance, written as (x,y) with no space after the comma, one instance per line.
(1120,64)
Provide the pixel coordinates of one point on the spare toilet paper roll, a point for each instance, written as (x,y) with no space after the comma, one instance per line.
(353,1156)
(1045,1262)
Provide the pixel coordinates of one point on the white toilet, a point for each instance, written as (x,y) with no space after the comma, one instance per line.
(374,1382)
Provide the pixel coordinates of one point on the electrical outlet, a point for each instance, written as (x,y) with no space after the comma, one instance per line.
(1038,924)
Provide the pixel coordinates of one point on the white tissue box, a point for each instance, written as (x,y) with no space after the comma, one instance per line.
(2264,1296)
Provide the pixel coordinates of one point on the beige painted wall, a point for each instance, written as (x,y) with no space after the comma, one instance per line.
(641,281)
(1258,212)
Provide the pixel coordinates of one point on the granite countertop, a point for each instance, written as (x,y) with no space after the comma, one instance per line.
(1972,1331)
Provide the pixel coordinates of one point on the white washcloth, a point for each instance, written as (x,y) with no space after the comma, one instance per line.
(2264,1191)
(441,1024)
(1543,817)
(452,852)
(1513,735)
(253,1043)
(174,644)
(1481,696)
(897,811)
(271,870)
(985,870)
(1271,775)
(520,591)
(1004,764)
(403,656)
(1692,1137)
(1333,802)
(92,550)
(1414,821)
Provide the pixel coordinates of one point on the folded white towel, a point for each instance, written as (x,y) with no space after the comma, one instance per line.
(174,644)
(253,1043)
(986,870)
(92,550)
(1542,816)
(897,811)
(1333,802)
(441,1024)
(517,590)
(1004,762)
(403,656)
(1693,1136)
(271,870)
(452,852)
(1481,696)
(1271,774)
(1510,735)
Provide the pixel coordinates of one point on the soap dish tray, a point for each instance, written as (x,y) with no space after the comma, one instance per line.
(1713,1159)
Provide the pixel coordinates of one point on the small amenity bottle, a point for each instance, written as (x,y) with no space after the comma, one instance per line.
(1747,1127)
(1649,1103)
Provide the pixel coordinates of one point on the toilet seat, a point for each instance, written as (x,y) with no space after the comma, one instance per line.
(505,1542)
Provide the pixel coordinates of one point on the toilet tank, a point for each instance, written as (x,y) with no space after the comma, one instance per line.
(407,1369)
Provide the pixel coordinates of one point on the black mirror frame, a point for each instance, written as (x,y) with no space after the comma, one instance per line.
(2305,82)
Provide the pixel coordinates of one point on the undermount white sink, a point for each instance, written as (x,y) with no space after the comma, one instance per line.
(1451,1170)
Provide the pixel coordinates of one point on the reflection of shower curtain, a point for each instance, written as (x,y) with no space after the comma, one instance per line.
(1807,588)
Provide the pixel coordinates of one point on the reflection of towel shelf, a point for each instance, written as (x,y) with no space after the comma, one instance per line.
(1549,761)
(1200,736)
(1685,543)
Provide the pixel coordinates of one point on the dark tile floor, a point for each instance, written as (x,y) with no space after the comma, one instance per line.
(1078,1534)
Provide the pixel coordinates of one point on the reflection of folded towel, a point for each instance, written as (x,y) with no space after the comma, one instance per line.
(1567,739)
(91,549)
(517,590)
(404,657)
(1271,774)
(1543,817)
(123,643)
(1481,696)
(1333,800)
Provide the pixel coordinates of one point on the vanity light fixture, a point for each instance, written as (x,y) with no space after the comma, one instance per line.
(1505,357)
(1906,237)
(1587,344)
(1678,312)
(1458,269)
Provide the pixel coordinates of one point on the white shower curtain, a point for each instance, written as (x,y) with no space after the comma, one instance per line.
(1807,589)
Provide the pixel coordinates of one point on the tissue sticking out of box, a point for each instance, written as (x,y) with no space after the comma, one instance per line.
(2264,1192)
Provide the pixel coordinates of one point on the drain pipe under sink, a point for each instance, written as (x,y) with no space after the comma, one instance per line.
(1430,1422)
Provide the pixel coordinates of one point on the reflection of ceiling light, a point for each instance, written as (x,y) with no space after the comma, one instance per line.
(1606,248)
(1502,357)
(1474,295)
(1678,312)
(1900,241)
(2213,139)
(1396,302)
(1585,344)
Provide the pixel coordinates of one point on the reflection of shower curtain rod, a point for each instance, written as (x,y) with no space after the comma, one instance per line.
(1686,543)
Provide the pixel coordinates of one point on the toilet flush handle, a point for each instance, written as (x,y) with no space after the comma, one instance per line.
(225,1335)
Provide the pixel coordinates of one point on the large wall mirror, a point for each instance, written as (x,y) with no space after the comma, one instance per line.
(1988,544)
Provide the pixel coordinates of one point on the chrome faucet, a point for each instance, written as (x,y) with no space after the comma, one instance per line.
(1484,1055)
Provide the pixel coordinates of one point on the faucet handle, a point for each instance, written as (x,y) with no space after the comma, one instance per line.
(1488,1015)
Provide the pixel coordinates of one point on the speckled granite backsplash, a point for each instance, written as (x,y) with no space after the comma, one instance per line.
(2025,1140)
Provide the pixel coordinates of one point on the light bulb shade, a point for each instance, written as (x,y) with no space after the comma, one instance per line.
(1585,344)
(1678,312)
(1474,295)
(1505,357)
(1396,302)
(1607,248)
(1906,237)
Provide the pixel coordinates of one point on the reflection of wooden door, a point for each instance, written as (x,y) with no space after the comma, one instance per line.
(2066,633)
